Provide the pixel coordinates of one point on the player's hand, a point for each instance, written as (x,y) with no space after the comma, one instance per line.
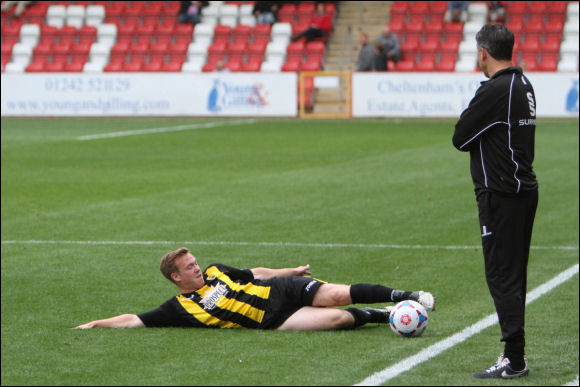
(303,270)
(87,325)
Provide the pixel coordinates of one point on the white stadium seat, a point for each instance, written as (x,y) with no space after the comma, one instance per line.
(55,15)
(75,15)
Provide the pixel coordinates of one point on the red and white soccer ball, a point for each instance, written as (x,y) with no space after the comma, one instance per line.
(408,319)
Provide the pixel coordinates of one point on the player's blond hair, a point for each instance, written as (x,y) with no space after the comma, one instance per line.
(168,265)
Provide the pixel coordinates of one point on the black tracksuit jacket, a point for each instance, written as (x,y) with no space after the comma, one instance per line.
(498,129)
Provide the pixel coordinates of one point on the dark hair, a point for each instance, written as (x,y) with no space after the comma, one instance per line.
(497,39)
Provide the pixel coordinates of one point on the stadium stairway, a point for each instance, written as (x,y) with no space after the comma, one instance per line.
(353,18)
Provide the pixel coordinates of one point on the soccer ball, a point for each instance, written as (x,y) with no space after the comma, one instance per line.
(408,319)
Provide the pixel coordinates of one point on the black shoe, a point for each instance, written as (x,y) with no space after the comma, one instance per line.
(379,315)
(502,370)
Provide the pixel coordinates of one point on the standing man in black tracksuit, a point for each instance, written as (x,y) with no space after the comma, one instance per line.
(498,129)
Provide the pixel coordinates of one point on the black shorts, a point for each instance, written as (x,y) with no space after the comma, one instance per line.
(287,295)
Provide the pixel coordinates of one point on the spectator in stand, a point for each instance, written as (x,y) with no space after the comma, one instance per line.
(321,25)
(220,67)
(391,45)
(190,12)
(20,7)
(456,11)
(366,54)
(496,12)
(380,58)
(266,12)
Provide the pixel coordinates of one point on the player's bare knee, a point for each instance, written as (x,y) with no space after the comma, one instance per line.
(335,295)
(343,320)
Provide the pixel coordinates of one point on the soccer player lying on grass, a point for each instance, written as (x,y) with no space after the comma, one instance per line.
(260,298)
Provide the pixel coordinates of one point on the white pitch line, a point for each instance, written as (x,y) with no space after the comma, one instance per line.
(164,130)
(271,244)
(573,382)
(395,370)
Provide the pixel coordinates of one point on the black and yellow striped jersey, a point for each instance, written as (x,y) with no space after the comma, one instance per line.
(230,298)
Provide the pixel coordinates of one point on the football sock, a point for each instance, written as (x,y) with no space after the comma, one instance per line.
(399,295)
(363,316)
(372,293)
(517,364)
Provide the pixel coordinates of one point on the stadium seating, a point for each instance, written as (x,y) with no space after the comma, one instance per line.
(542,29)
(145,36)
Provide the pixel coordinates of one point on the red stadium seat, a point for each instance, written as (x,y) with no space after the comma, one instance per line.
(35,67)
(447,65)
(291,66)
(222,30)
(287,12)
(42,51)
(296,49)
(74,67)
(132,67)
(208,67)
(80,51)
(217,49)
(171,67)
(434,27)
(538,8)
(119,50)
(256,49)
(242,30)
(405,65)
(178,51)
(54,67)
(397,26)
(236,52)
(551,46)
(557,8)
(234,66)
(310,65)
(315,48)
(145,30)
(425,66)
(251,66)
(450,45)
(399,8)
(531,45)
(453,29)
(141,49)
(133,12)
(164,30)
(151,13)
(410,46)
(113,67)
(437,9)
(183,30)
(262,30)
(152,67)
(158,51)
(415,28)
(60,52)
(429,46)
(516,7)
(419,8)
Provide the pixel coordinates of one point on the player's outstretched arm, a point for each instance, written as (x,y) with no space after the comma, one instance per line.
(121,321)
(266,273)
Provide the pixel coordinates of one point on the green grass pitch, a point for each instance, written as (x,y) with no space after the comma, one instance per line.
(84,224)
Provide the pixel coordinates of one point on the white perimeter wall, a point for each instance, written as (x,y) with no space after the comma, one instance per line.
(149,94)
(447,95)
(259,94)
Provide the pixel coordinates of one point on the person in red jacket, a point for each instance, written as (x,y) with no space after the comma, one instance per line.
(320,26)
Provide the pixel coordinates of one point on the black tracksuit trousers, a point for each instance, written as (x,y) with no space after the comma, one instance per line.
(506,226)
